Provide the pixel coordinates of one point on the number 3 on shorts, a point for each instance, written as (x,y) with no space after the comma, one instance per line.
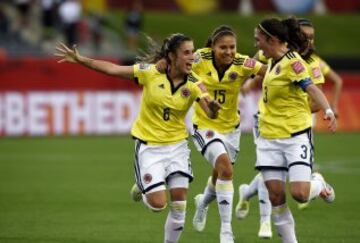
(304,154)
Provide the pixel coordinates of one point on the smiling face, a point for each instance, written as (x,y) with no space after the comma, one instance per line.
(262,42)
(183,59)
(224,50)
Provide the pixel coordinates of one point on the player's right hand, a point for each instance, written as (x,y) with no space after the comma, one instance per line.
(66,54)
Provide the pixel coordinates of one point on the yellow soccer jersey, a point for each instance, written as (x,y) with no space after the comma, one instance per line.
(261,58)
(325,68)
(161,119)
(284,108)
(224,89)
(313,64)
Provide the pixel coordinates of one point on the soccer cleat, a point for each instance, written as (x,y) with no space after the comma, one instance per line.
(303,206)
(265,230)
(226,237)
(328,193)
(135,193)
(199,220)
(242,207)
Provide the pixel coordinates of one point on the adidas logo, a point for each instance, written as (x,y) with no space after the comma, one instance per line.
(262,201)
(224,202)
(162,86)
(179,229)
(208,74)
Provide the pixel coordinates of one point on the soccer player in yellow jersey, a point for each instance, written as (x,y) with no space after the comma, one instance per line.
(161,149)
(223,71)
(317,69)
(283,145)
(312,57)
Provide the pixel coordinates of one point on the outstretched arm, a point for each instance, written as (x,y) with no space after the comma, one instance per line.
(73,56)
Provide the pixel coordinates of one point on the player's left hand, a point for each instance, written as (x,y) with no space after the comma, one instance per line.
(330,116)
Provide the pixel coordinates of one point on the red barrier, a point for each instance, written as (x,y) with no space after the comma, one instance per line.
(42,97)
(46,74)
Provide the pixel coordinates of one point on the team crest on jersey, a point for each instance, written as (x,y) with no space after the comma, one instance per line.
(277,70)
(144,66)
(316,72)
(298,67)
(233,76)
(185,92)
(209,134)
(197,57)
(250,63)
(147,178)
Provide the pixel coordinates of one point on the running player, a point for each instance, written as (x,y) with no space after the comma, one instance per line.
(161,149)
(222,71)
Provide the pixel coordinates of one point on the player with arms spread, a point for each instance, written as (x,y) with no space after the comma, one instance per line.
(162,156)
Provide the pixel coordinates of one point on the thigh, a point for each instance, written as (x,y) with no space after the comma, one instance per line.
(149,168)
(269,155)
(298,155)
(232,142)
(178,161)
(210,144)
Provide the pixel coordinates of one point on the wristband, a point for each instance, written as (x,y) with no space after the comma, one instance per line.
(329,112)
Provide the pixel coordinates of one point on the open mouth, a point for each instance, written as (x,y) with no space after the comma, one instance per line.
(188,65)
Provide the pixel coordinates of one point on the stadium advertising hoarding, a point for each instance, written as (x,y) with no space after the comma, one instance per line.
(40,98)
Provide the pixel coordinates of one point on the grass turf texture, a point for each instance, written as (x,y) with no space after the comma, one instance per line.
(76,189)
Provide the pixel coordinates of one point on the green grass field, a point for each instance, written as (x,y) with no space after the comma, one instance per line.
(76,189)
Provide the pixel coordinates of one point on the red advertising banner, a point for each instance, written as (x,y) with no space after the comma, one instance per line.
(41,97)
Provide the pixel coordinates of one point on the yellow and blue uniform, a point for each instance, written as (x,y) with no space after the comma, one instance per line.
(161,119)
(315,68)
(284,108)
(224,88)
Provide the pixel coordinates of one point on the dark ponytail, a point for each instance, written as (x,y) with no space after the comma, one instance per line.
(222,30)
(155,52)
(287,30)
(297,40)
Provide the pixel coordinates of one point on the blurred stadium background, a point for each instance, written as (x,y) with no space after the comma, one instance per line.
(65,153)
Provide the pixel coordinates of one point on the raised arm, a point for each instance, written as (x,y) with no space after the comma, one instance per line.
(73,56)
(318,96)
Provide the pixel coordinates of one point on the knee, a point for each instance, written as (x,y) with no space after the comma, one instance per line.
(277,197)
(156,204)
(224,167)
(300,194)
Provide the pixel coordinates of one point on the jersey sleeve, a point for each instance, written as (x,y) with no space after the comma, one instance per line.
(251,66)
(199,87)
(317,76)
(260,57)
(142,72)
(297,70)
(325,68)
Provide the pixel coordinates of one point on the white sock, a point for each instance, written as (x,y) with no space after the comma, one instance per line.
(224,196)
(284,222)
(252,188)
(175,221)
(264,202)
(315,188)
(209,193)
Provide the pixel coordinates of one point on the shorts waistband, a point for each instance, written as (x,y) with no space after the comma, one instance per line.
(306,130)
(140,140)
